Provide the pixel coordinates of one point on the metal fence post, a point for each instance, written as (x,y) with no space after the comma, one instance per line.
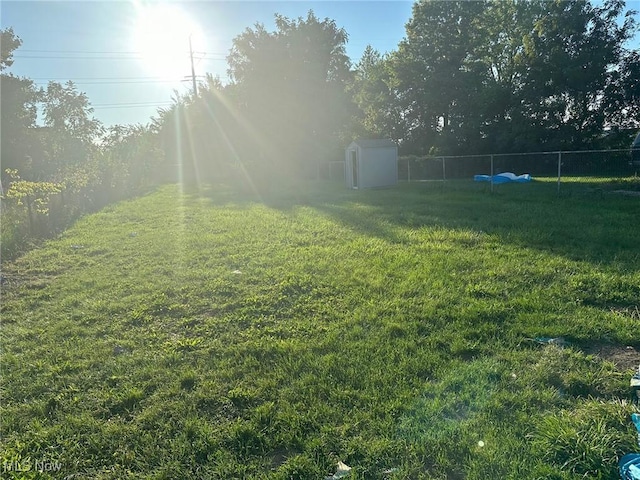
(444,169)
(408,170)
(559,170)
(491,176)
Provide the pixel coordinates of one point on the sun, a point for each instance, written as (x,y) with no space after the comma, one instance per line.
(162,33)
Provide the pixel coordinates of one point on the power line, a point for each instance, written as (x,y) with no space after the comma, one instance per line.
(111,52)
(132,105)
(123,52)
(95,78)
(43,81)
(74,57)
(116,82)
(110,56)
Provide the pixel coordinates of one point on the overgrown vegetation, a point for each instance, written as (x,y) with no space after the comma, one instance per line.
(207,334)
(66,164)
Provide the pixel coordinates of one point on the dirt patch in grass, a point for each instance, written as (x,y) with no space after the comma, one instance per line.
(280,457)
(622,356)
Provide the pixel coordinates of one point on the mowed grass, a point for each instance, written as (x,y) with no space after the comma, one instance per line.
(207,334)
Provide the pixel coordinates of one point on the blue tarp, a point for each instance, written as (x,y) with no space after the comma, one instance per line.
(629,465)
(506,177)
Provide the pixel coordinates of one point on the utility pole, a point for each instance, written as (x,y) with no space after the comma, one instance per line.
(193,70)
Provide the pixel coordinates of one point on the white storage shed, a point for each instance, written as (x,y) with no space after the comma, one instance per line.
(371,163)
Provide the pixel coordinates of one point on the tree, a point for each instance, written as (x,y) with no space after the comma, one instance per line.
(8,43)
(290,85)
(19,100)
(53,173)
(208,137)
(623,109)
(500,57)
(433,74)
(374,94)
(571,53)
(71,132)
(176,137)
(128,161)
(512,75)
(68,112)
(34,196)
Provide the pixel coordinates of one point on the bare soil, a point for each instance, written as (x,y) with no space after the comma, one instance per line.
(623,357)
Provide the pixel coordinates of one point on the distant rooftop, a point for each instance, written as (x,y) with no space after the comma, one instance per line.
(375,143)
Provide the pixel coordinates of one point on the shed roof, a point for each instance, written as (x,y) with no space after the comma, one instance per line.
(374,143)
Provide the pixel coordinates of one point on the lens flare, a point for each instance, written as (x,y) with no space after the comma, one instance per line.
(161,33)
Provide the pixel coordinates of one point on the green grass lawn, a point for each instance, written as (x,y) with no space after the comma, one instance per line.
(210,335)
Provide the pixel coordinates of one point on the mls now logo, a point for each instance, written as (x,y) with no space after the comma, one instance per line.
(28,466)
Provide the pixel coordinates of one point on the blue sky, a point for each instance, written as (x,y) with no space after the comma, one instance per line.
(94,44)
(97,44)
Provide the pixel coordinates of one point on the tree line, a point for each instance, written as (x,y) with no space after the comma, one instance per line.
(468,77)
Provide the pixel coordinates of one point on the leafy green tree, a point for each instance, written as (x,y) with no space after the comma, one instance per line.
(623,109)
(34,196)
(499,57)
(374,94)
(19,100)
(68,112)
(71,132)
(207,138)
(570,54)
(176,140)
(434,78)
(128,161)
(510,75)
(291,88)
(9,42)
(220,131)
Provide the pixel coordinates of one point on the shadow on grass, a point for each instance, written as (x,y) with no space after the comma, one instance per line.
(584,223)
(590,224)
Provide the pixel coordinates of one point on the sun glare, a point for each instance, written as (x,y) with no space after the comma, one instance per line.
(161,34)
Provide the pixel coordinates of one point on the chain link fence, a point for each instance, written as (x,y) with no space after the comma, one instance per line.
(548,165)
(589,163)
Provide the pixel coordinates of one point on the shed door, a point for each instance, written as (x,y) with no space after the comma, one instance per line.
(354,168)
